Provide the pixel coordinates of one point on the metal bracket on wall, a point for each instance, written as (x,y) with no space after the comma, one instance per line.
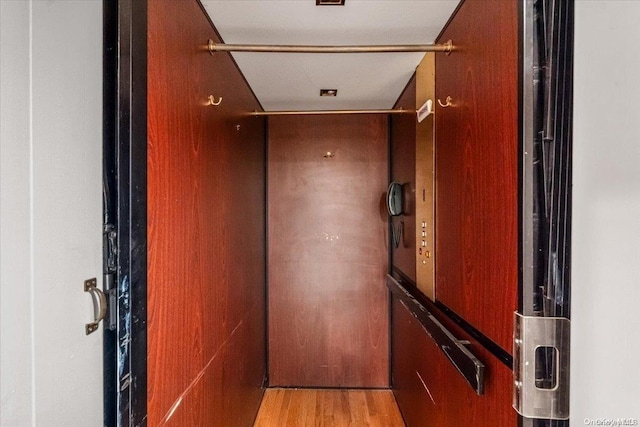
(457,351)
(541,367)
(110,257)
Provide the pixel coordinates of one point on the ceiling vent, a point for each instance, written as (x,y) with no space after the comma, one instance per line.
(330,2)
(328,92)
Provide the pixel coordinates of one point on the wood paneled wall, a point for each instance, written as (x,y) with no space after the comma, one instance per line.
(206,227)
(429,389)
(476,157)
(403,170)
(477,168)
(328,254)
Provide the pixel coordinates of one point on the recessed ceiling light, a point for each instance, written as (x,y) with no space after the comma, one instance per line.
(330,2)
(328,92)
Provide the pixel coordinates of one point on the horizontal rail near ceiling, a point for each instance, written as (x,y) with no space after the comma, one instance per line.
(326,112)
(222,47)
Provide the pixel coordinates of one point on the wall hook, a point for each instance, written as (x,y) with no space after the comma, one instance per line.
(212,100)
(447,102)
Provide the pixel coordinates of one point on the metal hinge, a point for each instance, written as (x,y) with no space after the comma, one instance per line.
(541,367)
(110,268)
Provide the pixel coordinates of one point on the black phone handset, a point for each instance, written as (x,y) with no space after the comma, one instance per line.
(394,207)
(394,199)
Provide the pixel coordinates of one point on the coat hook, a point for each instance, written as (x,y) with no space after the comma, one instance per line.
(212,100)
(447,103)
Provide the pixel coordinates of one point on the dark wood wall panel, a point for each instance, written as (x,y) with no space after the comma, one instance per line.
(477,168)
(432,393)
(203,404)
(413,362)
(206,222)
(403,170)
(327,228)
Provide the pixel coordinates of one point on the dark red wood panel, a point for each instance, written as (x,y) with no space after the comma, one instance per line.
(412,363)
(327,225)
(403,170)
(203,404)
(477,168)
(206,245)
(432,393)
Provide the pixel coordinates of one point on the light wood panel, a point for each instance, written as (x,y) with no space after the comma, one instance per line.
(412,164)
(328,408)
(206,246)
(425,189)
(477,168)
(403,170)
(328,304)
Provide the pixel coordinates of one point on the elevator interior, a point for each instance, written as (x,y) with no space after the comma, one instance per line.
(368,249)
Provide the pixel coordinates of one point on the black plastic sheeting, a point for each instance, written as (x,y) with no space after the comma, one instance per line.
(553,113)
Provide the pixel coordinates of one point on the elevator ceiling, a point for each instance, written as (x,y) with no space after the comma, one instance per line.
(292,81)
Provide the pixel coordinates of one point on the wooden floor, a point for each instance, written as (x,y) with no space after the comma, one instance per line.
(328,408)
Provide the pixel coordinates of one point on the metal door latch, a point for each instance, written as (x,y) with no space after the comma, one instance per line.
(110,263)
(99,304)
(541,367)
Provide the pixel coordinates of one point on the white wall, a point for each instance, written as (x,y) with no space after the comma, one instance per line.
(50,211)
(15,226)
(605,358)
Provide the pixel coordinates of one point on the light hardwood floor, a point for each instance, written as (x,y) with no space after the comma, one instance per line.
(328,408)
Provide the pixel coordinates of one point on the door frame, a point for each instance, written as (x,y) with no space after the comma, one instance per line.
(125,204)
(125,208)
(546,109)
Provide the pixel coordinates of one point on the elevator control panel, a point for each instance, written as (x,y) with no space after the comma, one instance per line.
(423,253)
